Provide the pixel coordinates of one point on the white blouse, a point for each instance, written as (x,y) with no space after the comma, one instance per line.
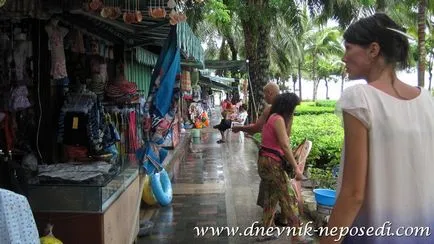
(400,177)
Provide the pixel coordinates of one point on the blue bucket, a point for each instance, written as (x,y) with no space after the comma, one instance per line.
(326,197)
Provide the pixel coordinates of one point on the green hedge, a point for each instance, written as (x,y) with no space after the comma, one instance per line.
(325,103)
(314,108)
(325,132)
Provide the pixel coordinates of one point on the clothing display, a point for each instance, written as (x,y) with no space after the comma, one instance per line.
(125,129)
(16,54)
(78,43)
(5,47)
(18,99)
(98,85)
(83,125)
(21,53)
(8,132)
(197,93)
(81,121)
(56,35)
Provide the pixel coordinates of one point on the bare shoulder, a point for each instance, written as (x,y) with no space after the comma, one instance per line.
(409,91)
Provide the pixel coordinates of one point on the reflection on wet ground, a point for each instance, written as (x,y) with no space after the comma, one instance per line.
(216,186)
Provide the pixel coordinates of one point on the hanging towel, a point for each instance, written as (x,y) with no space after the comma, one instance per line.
(163,98)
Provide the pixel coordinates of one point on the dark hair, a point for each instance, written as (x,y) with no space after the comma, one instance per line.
(393,46)
(284,105)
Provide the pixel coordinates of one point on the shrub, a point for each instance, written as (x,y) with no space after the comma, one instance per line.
(313,110)
(326,103)
(322,178)
(319,107)
(326,134)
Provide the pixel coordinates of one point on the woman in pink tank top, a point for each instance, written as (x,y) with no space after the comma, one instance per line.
(275,147)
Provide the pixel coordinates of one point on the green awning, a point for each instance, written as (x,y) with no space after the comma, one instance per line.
(221,83)
(145,57)
(189,44)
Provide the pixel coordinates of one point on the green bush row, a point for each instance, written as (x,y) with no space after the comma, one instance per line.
(313,110)
(325,132)
(318,107)
(326,103)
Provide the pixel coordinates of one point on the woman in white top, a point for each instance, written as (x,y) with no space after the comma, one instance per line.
(388,153)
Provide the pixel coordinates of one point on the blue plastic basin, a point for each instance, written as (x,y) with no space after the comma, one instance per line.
(325,197)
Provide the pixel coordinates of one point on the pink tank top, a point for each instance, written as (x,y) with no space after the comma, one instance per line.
(269,138)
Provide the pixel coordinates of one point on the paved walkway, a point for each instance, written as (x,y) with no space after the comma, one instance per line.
(216,186)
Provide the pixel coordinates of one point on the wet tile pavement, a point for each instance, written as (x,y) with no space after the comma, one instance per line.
(216,186)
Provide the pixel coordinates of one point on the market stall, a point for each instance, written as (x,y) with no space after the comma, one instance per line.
(72,112)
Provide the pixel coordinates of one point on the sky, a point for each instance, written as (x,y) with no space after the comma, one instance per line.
(335,88)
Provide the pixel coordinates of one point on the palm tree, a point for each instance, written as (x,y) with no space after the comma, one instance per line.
(293,42)
(347,11)
(323,42)
(258,19)
(421,18)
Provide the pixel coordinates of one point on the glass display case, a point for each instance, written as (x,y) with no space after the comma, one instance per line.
(83,198)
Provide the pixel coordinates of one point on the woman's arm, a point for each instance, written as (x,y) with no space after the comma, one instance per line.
(352,192)
(283,135)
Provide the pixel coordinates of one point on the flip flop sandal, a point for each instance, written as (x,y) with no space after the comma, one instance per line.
(220,141)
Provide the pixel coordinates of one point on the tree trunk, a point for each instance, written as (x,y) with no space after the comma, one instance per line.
(231,44)
(315,82)
(294,81)
(263,62)
(327,88)
(256,43)
(250,46)
(299,79)
(315,89)
(430,64)
(421,43)
(222,56)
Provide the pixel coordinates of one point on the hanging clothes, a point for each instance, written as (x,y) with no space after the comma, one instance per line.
(197,93)
(58,65)
(81,122)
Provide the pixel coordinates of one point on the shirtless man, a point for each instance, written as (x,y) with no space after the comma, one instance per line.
(271,90)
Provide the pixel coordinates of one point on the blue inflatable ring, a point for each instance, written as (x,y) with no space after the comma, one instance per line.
(162,187)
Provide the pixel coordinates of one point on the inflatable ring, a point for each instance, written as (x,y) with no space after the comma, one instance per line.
(148,196)
(162,187)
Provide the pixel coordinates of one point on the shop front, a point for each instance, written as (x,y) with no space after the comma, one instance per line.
(75,83)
